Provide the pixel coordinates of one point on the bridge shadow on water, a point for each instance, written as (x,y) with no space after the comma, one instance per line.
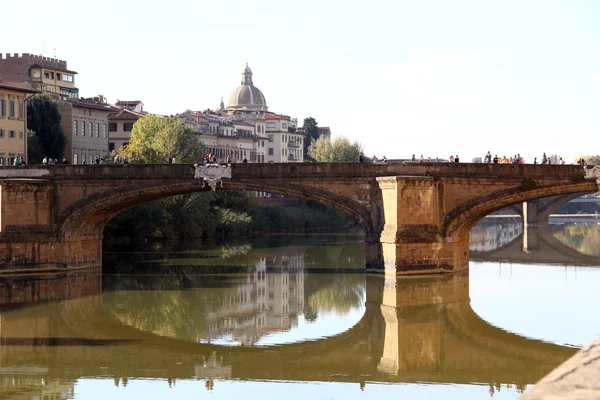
(413,330)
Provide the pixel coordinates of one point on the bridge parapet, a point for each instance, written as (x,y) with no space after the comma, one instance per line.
(301,170)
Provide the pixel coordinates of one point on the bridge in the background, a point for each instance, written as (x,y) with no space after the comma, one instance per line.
(413,330)
(416,216)
(538,211)
(535,244)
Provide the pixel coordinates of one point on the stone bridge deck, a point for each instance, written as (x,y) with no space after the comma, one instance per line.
(416,216)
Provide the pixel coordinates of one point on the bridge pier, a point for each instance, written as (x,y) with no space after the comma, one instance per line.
(28,232)
(412,241)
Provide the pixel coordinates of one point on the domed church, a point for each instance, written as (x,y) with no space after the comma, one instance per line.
(247,97)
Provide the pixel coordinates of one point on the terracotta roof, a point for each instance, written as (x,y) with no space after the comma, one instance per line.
(121,113)
(91,106)
(273,116)
(36,65)
(19,88)
(129,102)
(241,123)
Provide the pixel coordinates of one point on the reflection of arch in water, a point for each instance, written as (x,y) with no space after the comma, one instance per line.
(413,330)
(537,244)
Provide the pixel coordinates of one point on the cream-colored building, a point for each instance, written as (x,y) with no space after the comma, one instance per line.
(13,122)
(131,105)
(85,124)
(245,128)
(120,125)
(276,137)
(283,143)
(223,136)
(45,74)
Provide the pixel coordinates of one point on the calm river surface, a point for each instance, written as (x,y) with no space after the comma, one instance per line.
(295,317)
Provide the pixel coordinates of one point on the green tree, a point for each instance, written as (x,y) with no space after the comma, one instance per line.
(311,134)
(154,139)
(590,160)
(43,118)
(35,152)
(338,150)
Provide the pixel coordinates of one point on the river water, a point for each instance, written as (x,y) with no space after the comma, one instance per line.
(295,317)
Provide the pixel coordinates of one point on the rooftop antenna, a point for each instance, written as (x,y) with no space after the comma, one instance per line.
(54,52)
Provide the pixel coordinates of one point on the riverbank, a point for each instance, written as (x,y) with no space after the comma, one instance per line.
(577,378)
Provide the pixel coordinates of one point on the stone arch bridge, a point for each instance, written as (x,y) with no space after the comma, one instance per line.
(416,216)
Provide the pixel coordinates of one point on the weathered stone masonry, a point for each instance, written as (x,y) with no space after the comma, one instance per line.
(416,216)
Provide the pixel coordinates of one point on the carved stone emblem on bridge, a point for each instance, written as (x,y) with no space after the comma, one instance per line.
(593,173)
(212,174)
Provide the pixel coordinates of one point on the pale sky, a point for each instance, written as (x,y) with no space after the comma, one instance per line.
(402,77)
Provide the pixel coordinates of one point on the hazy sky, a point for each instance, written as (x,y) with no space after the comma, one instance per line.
(402,77)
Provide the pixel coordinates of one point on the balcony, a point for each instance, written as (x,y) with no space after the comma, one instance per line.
(293,145)
(291,157)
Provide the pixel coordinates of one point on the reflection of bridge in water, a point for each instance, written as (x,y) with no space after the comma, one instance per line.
(413,330)
(493,240)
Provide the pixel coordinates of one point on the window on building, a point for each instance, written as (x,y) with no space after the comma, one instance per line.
(75,158)
(1,133)
(11,107)
(112,127)
(21,135)
(270,124)
(111,146)
(97,129)
(35,73)
(75,132)
(12,134)
(127,127)
(82,128)
(271,138)
(104,131)
(284,126)
(21,109)
(67,78)
(271,151)
(83,159)
(2,106)
(46,75)
(91,129)
(58,76)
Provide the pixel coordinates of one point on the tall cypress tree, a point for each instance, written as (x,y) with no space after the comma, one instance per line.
(43,118)
(311,133)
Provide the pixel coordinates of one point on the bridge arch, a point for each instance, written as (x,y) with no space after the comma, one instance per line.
(459,221)
(88,216)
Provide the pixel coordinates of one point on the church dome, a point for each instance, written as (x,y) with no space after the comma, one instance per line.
(247,97)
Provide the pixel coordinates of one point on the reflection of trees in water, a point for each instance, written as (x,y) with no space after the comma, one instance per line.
(152,291)
(581,237)
(339,294)
(173,313)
